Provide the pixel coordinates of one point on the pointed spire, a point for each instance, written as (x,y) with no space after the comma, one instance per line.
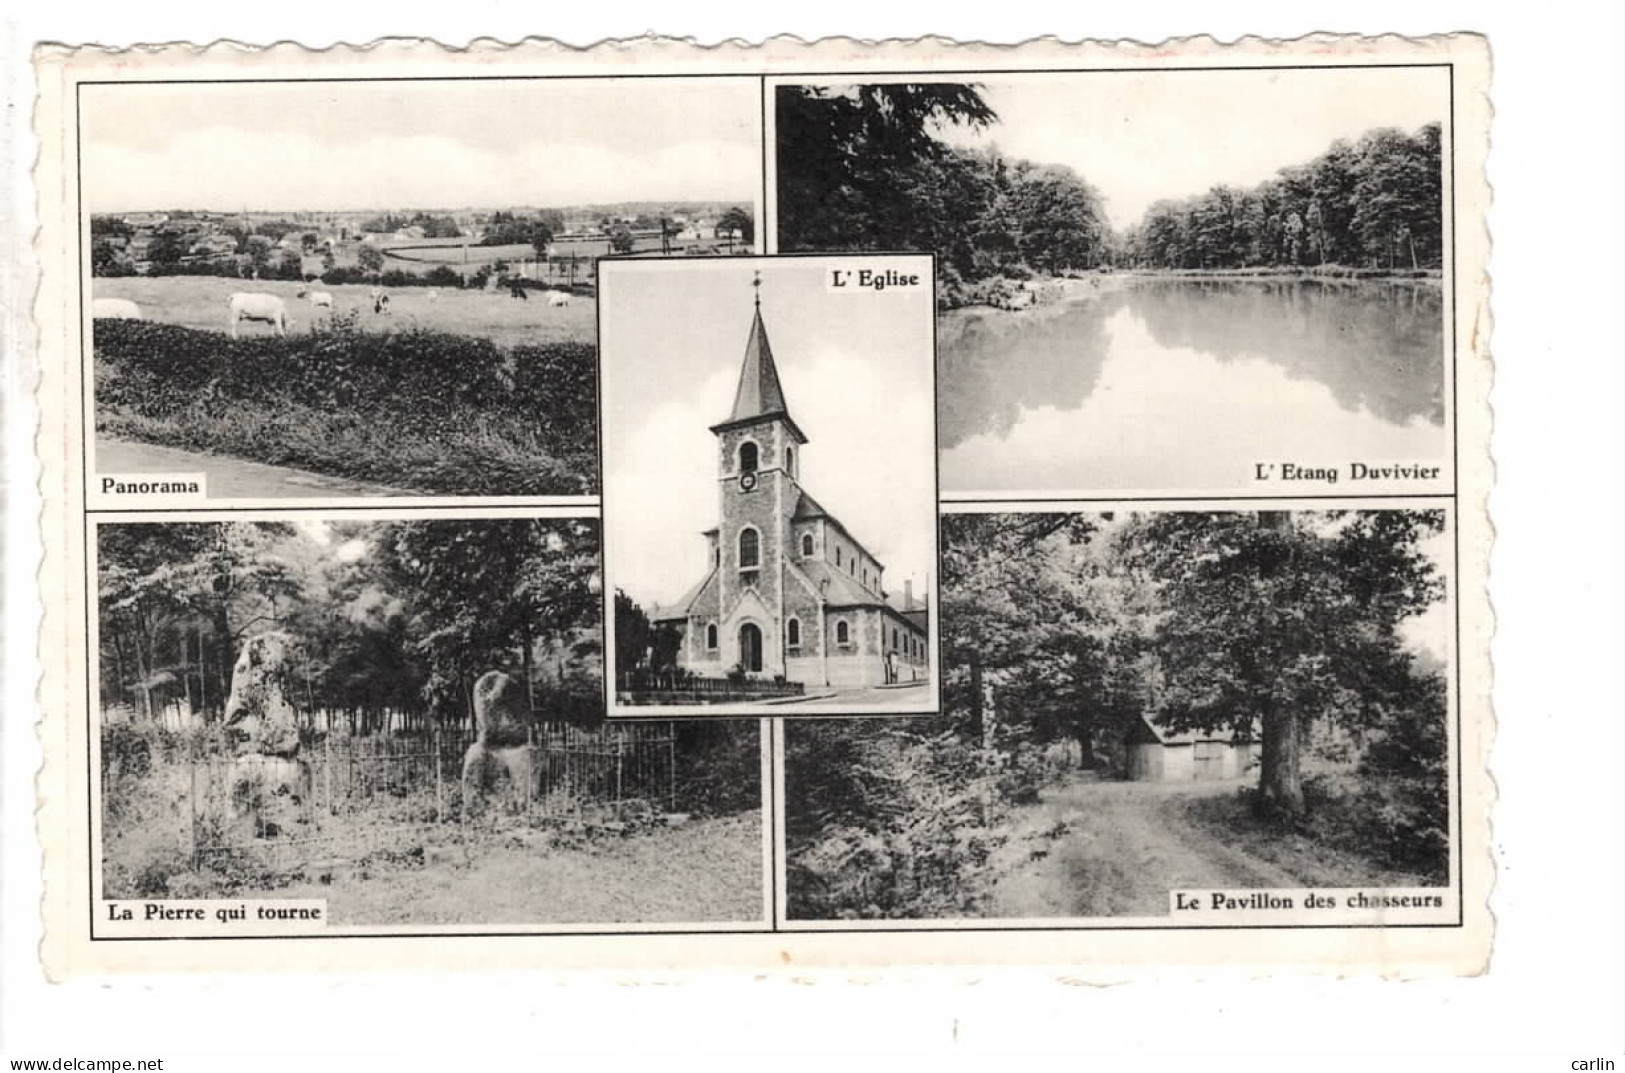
(759,394)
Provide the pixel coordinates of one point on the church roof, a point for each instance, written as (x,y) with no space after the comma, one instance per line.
(807,508)
(759,395)
(701,600)
(842,589)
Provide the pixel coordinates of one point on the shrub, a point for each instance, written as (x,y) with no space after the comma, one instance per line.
(719,766)
(442,276)
(887,820)
(161,367)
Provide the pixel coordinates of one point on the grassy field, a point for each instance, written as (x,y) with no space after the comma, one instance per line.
(710,870)
(467,393)
(200,302)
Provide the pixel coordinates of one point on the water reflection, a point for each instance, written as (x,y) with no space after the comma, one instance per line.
(1175,385)
(993,366)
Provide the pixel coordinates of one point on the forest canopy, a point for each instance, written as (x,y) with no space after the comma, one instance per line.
(1374,203)
(396,617)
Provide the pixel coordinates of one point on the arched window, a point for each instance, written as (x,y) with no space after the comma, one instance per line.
(711,636)
(837,555)
(747,457)
(894,643)
(806,545)
(792,633)
(790,461)
(842,635)
(750,549)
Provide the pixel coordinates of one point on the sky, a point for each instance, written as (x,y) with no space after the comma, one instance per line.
(1142,137)
(464,144)
(856,370)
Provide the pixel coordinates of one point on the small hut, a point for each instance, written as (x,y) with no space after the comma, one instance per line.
(1156,754)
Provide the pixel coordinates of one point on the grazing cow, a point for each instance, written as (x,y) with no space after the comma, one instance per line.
(264,308)
(380,301)
(433,296)
(114,309)
(517,290)
(558,298)
(319,299)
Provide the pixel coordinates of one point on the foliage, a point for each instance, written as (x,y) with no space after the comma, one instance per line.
(1375,202)
(477,596)
(431,387)
(506,228)
(719,768)
(889,819)
(737,224)
(433,226)
(860,169)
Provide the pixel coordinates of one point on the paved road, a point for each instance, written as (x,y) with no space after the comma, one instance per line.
(227,477)
(880,699)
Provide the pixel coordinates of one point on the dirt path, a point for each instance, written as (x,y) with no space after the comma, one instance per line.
(226,477)
(1095,848)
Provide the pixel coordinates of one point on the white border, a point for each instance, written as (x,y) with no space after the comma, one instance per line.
(1558,92)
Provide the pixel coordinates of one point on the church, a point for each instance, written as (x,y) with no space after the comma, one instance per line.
(788,590)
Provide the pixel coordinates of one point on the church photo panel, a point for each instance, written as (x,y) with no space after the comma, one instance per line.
(769,485)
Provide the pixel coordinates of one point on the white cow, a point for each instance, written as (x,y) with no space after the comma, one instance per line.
(558,298)
(319,299)
(264,308)
(433,296)
(114,309)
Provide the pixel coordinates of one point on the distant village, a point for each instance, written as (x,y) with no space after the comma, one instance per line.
(314,245)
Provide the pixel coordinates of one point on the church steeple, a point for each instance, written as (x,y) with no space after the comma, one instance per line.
(760,396)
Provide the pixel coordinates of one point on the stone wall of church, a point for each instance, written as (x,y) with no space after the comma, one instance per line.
(803,606)
(694,656)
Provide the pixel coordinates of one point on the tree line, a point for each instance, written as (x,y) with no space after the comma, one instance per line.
(400,616)
(1371,203)
(862,168)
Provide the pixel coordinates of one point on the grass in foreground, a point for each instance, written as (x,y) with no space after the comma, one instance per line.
(418,410)
(709,870)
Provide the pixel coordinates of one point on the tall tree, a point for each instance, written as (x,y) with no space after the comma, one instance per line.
(841,148)
(1276,621)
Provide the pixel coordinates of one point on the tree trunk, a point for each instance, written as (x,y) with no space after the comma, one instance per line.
(1280,785)
(222,630)
(527,661)
(976,698)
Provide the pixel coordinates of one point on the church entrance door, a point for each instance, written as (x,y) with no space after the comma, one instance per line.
(750,647)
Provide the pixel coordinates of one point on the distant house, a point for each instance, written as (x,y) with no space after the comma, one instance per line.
(1156,754)
(214,246)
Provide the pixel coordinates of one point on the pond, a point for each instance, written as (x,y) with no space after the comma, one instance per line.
(1181,385)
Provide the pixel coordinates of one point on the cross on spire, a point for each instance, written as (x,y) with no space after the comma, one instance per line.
(756,284)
